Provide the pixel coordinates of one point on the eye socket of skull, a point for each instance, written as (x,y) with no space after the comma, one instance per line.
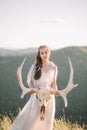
(42,109)
(36,96)
(46,100)
(40,100)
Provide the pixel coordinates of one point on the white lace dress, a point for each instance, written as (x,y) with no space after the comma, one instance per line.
(29,117)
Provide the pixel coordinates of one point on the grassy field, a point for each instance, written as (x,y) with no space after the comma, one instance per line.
(59,124)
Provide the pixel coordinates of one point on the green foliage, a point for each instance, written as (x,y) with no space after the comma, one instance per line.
(77,105)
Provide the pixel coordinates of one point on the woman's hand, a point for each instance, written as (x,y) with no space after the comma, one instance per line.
(57,93)
(32,91)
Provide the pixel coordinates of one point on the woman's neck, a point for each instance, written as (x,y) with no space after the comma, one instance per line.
(45,62)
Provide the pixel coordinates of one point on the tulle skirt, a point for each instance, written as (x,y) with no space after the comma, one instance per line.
(29,116)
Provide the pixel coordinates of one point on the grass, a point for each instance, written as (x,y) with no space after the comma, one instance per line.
(62,124)
(59,124)
(5,123)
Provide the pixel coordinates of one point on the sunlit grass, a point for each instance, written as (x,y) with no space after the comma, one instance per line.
(5,123)
(59,124)
(62,124)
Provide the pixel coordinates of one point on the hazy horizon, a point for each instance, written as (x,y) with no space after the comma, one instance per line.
(14,49)
(26,23)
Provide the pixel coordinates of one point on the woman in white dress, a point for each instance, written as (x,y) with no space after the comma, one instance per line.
(42,73)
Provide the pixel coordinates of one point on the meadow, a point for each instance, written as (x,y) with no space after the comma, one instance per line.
(59,124)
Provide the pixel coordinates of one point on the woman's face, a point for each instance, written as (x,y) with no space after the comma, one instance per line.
(44,54)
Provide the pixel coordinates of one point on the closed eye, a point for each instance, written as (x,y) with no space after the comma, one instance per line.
(41,53)
(45,52)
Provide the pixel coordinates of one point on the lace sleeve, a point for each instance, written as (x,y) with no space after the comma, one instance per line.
(29,76)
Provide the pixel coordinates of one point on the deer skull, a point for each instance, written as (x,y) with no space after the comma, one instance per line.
(43,96)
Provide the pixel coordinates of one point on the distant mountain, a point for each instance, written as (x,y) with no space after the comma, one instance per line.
(7,52)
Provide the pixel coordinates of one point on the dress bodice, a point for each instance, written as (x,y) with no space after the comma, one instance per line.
(46,78)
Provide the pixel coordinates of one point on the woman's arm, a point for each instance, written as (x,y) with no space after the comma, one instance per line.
(54,84)
(29,79)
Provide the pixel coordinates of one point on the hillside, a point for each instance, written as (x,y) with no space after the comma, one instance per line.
(6,52)
(77,105)
(77,98)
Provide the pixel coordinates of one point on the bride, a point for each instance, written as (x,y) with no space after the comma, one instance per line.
(42,73)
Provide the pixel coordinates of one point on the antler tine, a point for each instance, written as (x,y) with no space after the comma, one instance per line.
(71,73)
(70,84)
(19,75)
(21,66)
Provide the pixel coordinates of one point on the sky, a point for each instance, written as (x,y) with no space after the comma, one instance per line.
(31,23)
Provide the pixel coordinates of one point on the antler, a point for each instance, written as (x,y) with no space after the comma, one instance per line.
(63,92)
(69,86)
(19,75)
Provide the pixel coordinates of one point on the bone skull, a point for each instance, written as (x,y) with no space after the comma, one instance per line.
(43,96)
